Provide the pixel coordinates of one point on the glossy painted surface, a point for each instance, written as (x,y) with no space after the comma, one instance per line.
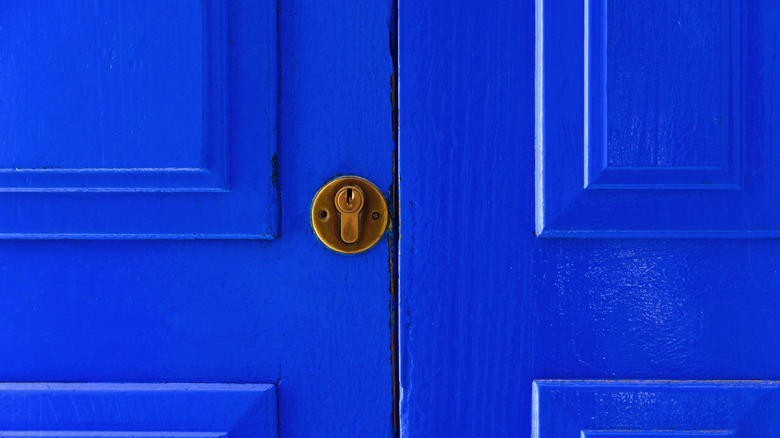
(284,311)
(487,307)
(659,129)
(654,409)
(670,115)
(135,120)
(126,410)
(466,198)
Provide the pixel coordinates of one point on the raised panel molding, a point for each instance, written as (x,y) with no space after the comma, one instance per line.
(127,61)
(164,126)
(659,433)
(656,97)
(650,143)
(106,434)
(140,410)
(654,408)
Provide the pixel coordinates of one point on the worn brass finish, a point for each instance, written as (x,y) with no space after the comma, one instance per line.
(349,214)
(349,203)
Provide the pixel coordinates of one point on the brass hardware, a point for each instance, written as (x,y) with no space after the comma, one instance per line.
(349,214)
(349,202)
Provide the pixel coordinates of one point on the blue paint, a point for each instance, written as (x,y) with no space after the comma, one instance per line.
(655,409)
(685,143)
(487,307)
(141,121)
(125,410)
(683,42)
(268,305)
(466,97)
(625,148)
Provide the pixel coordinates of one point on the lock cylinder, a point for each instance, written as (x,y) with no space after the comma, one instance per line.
(349,203)
(349,214)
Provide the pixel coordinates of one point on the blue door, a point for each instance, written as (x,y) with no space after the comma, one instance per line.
(605,263)
(158,271)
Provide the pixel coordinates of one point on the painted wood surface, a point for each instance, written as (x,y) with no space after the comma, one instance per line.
(466,196)
(673,114)
(283,311)
(655,409)
(127,410)
(615,286)
(625,150)
(139,120)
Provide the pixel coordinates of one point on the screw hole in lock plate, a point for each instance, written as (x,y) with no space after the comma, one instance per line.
(360,217)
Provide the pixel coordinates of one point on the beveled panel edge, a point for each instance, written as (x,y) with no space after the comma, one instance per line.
(212,177)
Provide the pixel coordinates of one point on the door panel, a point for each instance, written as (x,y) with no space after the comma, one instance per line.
(656,123)
(655,409)
(139,120)
(133,273)
(125,410)
(592,246)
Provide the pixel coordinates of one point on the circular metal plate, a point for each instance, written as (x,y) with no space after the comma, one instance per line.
(325,217)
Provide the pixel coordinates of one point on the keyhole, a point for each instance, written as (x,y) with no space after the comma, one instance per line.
(348,214)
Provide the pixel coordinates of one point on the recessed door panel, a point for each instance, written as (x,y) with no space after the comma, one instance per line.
(145,151)
(599,255)
(126,410)
(655,409)
(138,120)
(645,128)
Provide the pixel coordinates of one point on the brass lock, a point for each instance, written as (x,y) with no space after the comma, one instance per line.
(349,214)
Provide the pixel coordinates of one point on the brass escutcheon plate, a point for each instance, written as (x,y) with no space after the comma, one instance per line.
(325,216)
